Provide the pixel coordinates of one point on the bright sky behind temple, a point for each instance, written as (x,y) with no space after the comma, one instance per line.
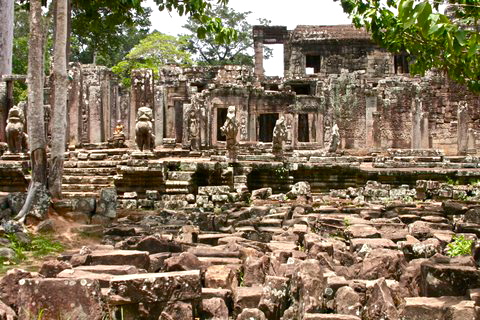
(281,12)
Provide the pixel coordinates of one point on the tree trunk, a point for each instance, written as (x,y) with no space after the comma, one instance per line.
(59,120)
(35,111)
(6,36)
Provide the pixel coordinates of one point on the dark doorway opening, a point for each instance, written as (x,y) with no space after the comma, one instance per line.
(178,121)
(401,63)
(303,129)
(313,61)
(266,123)
(221,117)
(301,88)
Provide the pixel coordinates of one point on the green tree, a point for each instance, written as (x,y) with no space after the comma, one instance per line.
(104,35)
(156,50)
(211,52)
(433,40)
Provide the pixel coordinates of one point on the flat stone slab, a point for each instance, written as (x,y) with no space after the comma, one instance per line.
(60,298)
(102,278)
(135,258)
(427,308)
(109,269)
(373,243)
(155,287)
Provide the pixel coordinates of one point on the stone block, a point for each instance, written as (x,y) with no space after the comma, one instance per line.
(135,258)
(246,297)
(155,287)
(107,204)
(60,298)
(221,276)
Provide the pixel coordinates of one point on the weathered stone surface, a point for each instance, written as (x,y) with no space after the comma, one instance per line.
(262,193)
(380,303)
(447,280)
(362,231)
(6,313)
(347,301)
(426,308)
(308,284)
(183,262)
(177,310)
(214,308)
(155,287)
(107,204)
(250,314)
(274,298)
(9,286)
(221,276)
(51,268)
(358,243)
(382,263)
(255,270)
(111,269)
(54,298)
(138,259)
(246,297)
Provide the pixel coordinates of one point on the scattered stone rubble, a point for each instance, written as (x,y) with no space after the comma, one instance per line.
(315,257)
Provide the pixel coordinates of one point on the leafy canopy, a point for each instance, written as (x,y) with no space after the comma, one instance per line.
(211,52)
(154,51)
(434,40)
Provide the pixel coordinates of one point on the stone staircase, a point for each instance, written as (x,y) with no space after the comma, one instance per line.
(87,176)
(179,177)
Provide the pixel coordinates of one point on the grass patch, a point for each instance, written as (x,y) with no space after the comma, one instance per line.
(459,247)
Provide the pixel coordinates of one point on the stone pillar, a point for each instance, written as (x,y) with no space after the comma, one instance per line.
(258,48)
(371,108)
(141,95)
(186,114)
(96,134)
(377,130)
(424,132)
(462,128)
(158,114)
(416,123)
(3,110)
(74,100)
(471,142)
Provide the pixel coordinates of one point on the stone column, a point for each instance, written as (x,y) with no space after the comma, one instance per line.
(258,48)
(158,114)
(371,108)
(3,110)
(424,132)
(96,133)
(74,100)
(462,128)
(471,142)
(416,123)
(376,130)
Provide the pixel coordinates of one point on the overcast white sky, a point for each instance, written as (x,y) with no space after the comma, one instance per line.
(281,12)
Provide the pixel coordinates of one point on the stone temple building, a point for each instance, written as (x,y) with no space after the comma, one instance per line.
(333,75)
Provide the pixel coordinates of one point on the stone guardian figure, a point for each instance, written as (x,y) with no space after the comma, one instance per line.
(193,129)
(230,130)
(144,136)
(16,137)
(334,140)
(279,137)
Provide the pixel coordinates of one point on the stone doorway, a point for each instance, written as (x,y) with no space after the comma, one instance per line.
(266,123)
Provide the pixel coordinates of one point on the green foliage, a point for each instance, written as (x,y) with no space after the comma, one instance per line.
(433,40)
(198,10)
(281,172)
(38,246)
(212,52)
(460,246)
(103,32)
(154,51)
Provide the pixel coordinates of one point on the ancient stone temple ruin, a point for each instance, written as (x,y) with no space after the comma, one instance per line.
(334,192)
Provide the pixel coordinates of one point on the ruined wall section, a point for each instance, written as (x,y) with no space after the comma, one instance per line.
(92,104)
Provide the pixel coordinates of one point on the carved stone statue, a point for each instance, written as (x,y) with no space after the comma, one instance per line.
(334,139)
(144,129)
(279,137)
(230,130)
(118,139)
(193,130)
(16,137)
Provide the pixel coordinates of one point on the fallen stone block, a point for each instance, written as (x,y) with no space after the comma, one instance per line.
(321,316)
(155,287)
(214,308)
(447,280)
(246,297)
(221,276)
(135,258)
(427,308)
(60,298)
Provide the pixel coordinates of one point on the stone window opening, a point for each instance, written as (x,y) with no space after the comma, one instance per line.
(303,128)
(313,62)
(401,64)
(221,117)
(301,88)
(266,123)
